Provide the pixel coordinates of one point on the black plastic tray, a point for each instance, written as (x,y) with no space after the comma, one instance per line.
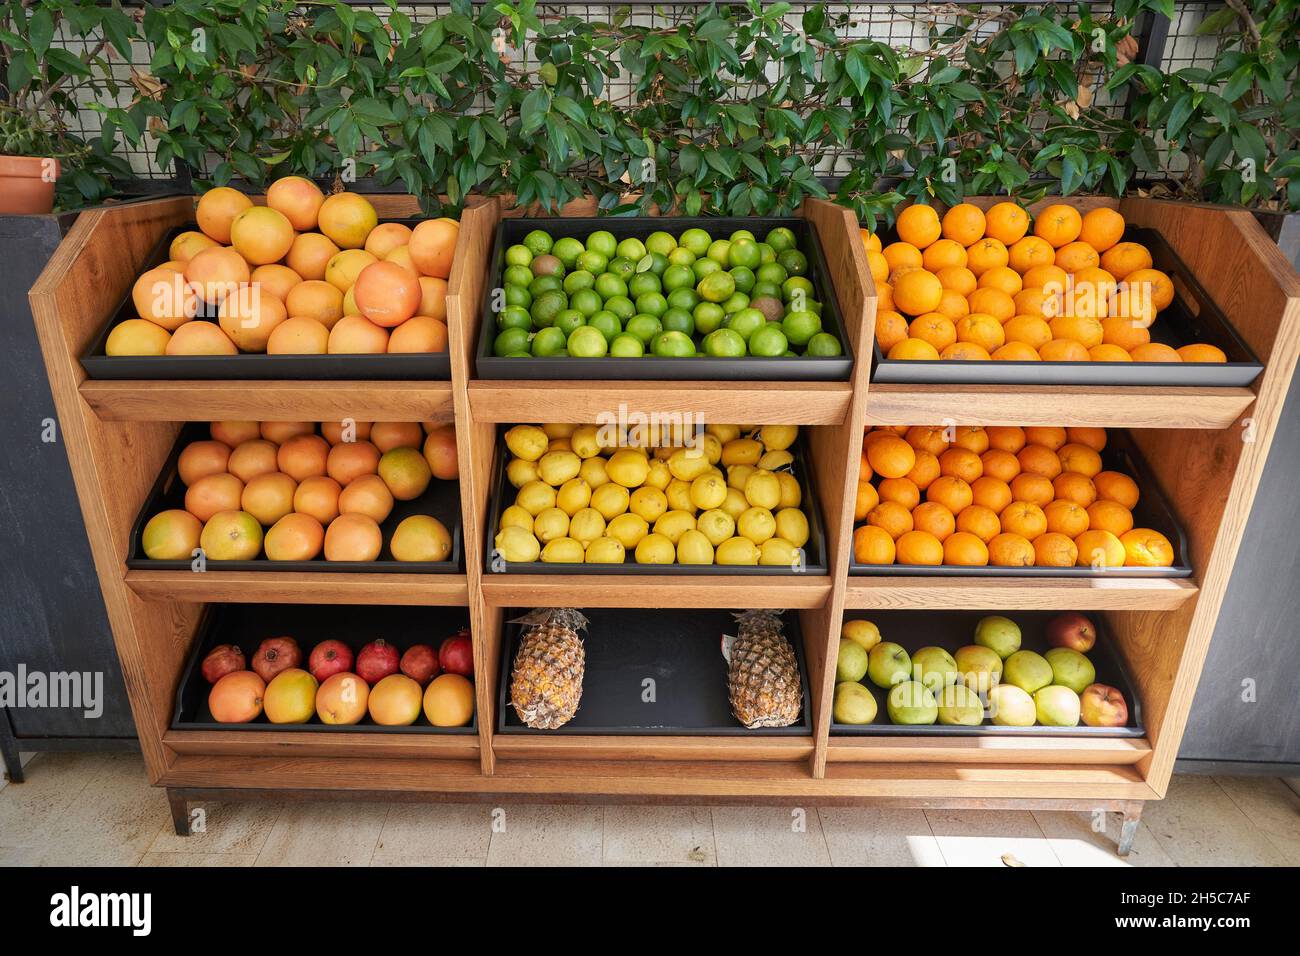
(98,364)
(1153,511)
(680,650)
(441,499)
(657,368)
(247,625)
(814,549)
(1191,317)
(953,629)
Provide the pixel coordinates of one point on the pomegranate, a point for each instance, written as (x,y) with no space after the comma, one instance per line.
(456,656)
(276,654)
(222,660)
(377,660)
(420,663)
(329,658)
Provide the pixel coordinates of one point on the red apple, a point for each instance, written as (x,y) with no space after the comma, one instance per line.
(376,661)
(276,654)
(1072,630)
(420,663)
(329,658)
(1103,706)
(456,655)
(222,660)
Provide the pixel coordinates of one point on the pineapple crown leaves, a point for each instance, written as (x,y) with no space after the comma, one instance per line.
(759,617)
(568,617)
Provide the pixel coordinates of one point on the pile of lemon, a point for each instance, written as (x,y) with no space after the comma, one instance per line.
(604,494)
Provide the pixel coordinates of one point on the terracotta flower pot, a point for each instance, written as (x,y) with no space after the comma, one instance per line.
(26,185)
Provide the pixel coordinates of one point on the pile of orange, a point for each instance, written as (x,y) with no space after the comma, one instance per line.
(1005,496)
(305,274)
(979,286)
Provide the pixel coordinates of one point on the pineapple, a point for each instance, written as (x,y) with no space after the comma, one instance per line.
(763,674)
(546,681)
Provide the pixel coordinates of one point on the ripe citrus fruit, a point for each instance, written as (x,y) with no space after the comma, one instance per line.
(347,219)
(917,292)
(918,225)
(1058,224)
(963,223)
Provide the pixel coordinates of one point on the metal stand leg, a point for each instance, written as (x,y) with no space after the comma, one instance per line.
(1128,830)
(180,806)
(9,751)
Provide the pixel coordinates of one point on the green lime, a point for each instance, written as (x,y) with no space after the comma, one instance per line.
(717,287)
(547,306)
(678,277)
(742,234)
(623,268)
(511,340)
(652,303)
(744,277)
(518,353)
(746,322)
(655,262)
(631,248)
(681,256)
(812,305)
(609,285)
(603,242)
(695,240)
(765,290)
(514,317)
(735,302)
(780,239)
(799,327)
(678,320)
(660,242)
(797,286)
(768,341)
(772,272)
(724,343)
(643,283)
(672,345)
(593,262)
(538,242)
(587,342)
(644,327)
(519,256)
(518,275)
(626,346)
(823,344)
(708,316)
(794,261)
(744,252)
(684,298)
(766,253)
(518,295)
(607,323)
(545,284)
(720,252)
(587,302)
(621,306)
(547,265)
(549,341)
(568,320)
(705,267)
(576,281)
(567,250)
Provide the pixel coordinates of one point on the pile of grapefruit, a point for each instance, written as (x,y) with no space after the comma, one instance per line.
(1005,496)
(306,274)
(977,286)
(291,492)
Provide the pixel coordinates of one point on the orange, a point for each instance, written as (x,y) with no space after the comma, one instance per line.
(1049,436)
(1003,279)
(1146,548)
(1098,281)
(1074,256)
(933,518)
(966,549)
(918,224)
(980,521)
(1201,352)
(992,302)
(902,491)
(1000,464)
(917,293)
(1119,330)
(347,219)
(903,255)
(1059,224)
(984,255)
(919,547)
(1066,517)
(992,493)
(261,235)
(1134,303)
(1102,228)
(1006,222)
(1063,350)
(1035,302)
(1074,487)
(865,473)
(1124,258)
(944,254)
(870,241)
(1030,253)
(981,328)
(1079,458)
(1094,438)
(1006,437)
(953,304)
(1035,488)
(1154,352)
(1100,549)
(217,209)
(925,470)
(878,265)
(1106,515)
(972,437)
(891,456)
(1023,518)
(1010,550)
(1054,550)
(1108,353)
(867,498)
(884,294)
(871,545)
(965,352)
(891,517)
(935,328)
(1118,487)
(1158,285)
(298,199)
(960,280)
(951,492)
(931,438)
(1077,328)
(1084,301)
(1046,277)
(1039,460)
(1029,330)
(891,328)
(961,463)
(964,223)
(914,349)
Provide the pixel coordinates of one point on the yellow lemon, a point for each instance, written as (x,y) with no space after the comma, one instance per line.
(559,429)
(688,463)
(587,525)
(516,517)
(559,444)
(606,551)
(521,471)
(527,441)
(673,524)
(655,549)
(762,489)
(593,472)
(628,468)
(716,525)
(737,475)
(550,524)
(756,524)
(791,493)
(557,467)
(694,547)
(773,551)
(861,632)
(736,551)
(723,433)
(742,451)
(563,551)
(573,496)
(516,544)
(792,525)
(778,437)
(610,500)
(658,476)
(772,460)
(535,497)
(648,502)
(734,504)
(662,454)
(708,491)
(584,441)
(628,528)
(712,448)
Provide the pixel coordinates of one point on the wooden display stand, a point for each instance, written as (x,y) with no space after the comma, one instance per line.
(1205,446)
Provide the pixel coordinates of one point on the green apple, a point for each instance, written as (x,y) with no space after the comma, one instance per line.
(1027,670)
(960,706)
(911,702)
(980,667)
(1009,706)
(999,634)
(888,664)
(934,667)
(854,704)
(1057,706)
(1070,669)
(864,632)
(851,664)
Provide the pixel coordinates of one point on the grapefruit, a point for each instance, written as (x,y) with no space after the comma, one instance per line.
(315,299)
(421,538)
(213,494)
(433,298)
(237,698)
(342,699)
(279,280)
(347,219)
(357,335)
(290,697)
(217,210)
(297,199)
(432,245)
(419,334)
(367,495)
(298,336)
(385,238)
(334,431)
(449,701)
(252,458)
(231,536)
(440,452)
(395,701)
(186,245)
(261,235)
(249,316)
(342,269)
(171,535)
(349,460)
(281,432)
(295,537)
(310,254)
(405,472)
(137,337)
(390,435)
(319,498)
(215,273)
(202,458)
(269,497)
(165,298)
(353,537)
(387,294)
(303,456)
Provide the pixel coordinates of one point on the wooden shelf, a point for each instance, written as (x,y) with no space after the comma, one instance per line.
(988,750)
(667,590)
(300,587)
(1077,594)
(295,743)
(651,748)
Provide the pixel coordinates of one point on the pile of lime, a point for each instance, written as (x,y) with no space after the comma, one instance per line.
(663,296)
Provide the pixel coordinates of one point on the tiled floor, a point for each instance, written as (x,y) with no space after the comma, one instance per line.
(97,809)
